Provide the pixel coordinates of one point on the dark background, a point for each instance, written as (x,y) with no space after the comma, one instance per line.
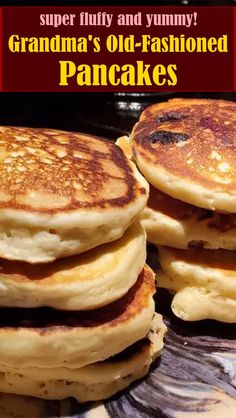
(105,114)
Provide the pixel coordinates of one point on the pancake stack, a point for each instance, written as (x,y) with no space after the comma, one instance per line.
(77,312)
(186,149)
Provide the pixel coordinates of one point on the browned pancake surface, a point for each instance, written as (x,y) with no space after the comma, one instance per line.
(194,140)
(181,211)
(49,171)
(46,320)
(221,259)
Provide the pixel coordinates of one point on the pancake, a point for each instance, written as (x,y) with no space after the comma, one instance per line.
(213,270)
(177,224)
(192,303)
(124,142)
(195,304)
(43,337)
(93,382)
(63,193)
(187,149)
(204,282)
(85,281)
(174,223)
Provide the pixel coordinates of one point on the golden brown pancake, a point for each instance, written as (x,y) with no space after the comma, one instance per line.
(195,303)
(204,282)
(177,224)
(52,338)
(62,193)
(72,170)
(213,270)
(80,282)
(187,149)
(93,382)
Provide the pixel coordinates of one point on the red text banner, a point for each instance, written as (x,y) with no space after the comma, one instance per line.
(141,49)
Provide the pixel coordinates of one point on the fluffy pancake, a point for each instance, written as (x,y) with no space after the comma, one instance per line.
(44,337)
(187,149)
(213,270)
(195,304)
(90,383)
(124,142)
(192,303)
(85,281)
(174,223)
(62,193)
(204,282)
(177,224)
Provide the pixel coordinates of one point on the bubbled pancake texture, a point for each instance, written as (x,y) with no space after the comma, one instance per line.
(63,193)
(172,222)
(49,171)
(186,148)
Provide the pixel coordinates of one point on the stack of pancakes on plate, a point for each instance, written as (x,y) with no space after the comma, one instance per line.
(186,149)
(77,312)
